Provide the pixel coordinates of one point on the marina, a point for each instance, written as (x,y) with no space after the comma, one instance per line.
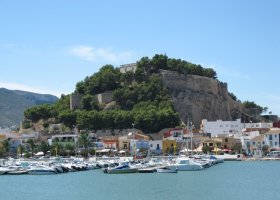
(109,165)
(230,180)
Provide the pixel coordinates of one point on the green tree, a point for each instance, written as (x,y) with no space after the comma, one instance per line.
(44,147)
(31,144)
(237,147)
(36,113)
(89,102)
(6,147)
(84,142)
(20,150)
(57,149)
(70,149)
(253,107)
(265,149)
(206,149)
(68,118)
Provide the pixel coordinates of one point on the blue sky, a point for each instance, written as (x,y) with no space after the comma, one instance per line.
(48,46)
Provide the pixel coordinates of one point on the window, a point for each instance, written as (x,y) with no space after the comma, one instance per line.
(254,143)
(275,135)
(226,140)
(157,146)
(262,142)
(275,143)
(270,137)
(151,145)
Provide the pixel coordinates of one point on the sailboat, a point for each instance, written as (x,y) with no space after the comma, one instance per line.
(185,163)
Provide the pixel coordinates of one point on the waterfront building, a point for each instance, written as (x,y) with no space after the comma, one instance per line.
(246,138)
(155,147)
(220,127)
(213,142)
(169,146)
(229,142)
(272,138)
(261,125)
(176,134)
(124,143)
(67,139)
(257,143)
(110,142)
(139,147)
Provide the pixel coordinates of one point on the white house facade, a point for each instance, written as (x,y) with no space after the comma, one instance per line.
(155,146)
(220,127)
(272,138)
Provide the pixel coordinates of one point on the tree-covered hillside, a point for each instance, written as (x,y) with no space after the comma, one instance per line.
(138,98)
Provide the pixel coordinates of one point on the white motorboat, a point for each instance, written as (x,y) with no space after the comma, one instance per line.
(41,170)
(166,169)
(123,168)
(185,164)
(3,170)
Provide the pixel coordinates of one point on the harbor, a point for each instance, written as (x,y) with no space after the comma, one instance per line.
(118,165)
(110,165)
(259,180)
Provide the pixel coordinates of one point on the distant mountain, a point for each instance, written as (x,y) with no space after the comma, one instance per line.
(13,103)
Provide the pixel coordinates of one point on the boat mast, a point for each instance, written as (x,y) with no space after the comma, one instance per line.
(188,129)
(191,135)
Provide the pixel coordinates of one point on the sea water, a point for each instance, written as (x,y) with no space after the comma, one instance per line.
(230,180)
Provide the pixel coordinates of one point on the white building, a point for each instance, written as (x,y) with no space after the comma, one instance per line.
(220,127)
(64,139)
(258,125)
(272,138)
(155,146)
(128,68)
(246,138)
(257,143)
(175,134)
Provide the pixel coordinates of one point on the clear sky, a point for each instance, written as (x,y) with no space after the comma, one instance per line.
(48,46)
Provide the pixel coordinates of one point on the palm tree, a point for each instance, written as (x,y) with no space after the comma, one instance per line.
(20,150)
(84,141)
(44,147)
(31,145)
(6,146)
(69,149)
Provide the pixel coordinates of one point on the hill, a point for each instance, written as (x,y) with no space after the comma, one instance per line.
(151,94)
(13,103)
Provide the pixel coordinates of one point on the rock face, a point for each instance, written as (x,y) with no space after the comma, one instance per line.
(198,97)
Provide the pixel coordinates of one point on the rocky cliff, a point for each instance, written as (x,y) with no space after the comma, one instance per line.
(197,98)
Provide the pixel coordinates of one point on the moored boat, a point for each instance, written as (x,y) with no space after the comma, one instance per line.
(166,169)
(147,170)
(122,169)
(41,170)
(185,164)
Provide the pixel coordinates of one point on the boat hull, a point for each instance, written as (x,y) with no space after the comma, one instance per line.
(166,170)
(120,171)
(41,172)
